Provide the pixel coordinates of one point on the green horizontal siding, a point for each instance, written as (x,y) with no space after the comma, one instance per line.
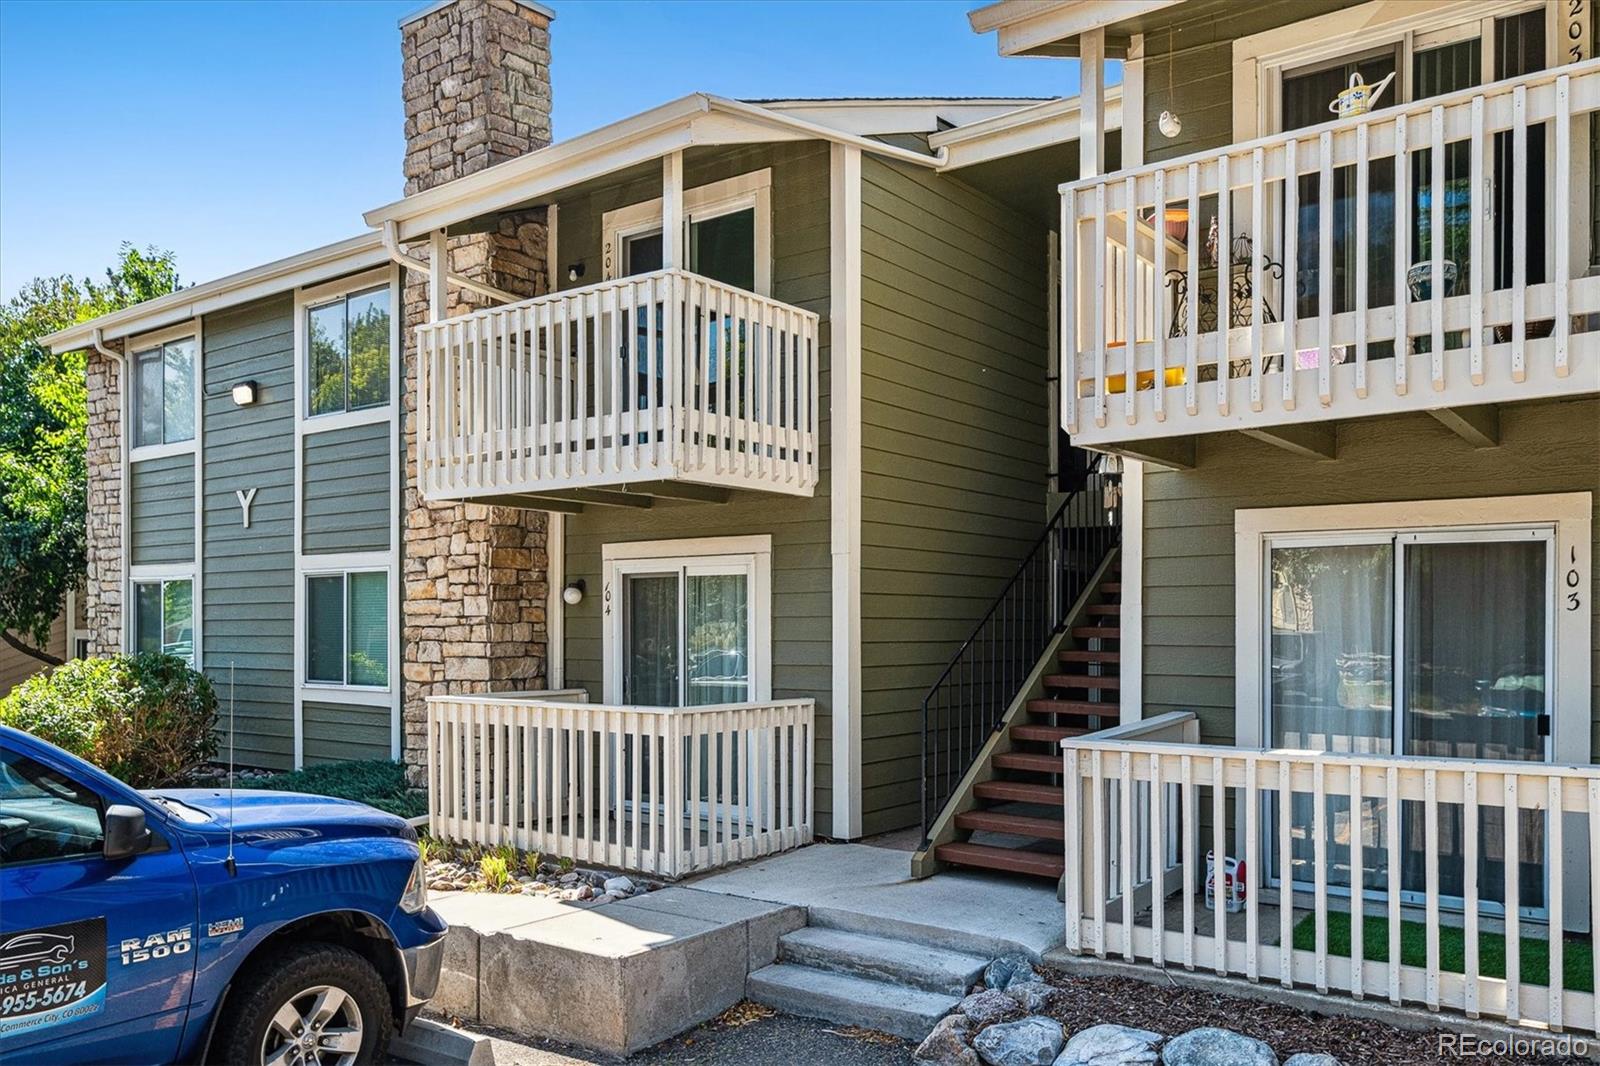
(346,506)
(1189,569)
(248,611)
(161,510)
(338,732)
(954,445)
(801,561)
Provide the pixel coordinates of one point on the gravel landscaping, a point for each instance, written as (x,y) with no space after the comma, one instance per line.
(507,871)
(1026,1016)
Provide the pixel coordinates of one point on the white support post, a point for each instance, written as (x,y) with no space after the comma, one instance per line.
(438,276)
(672,251)
(1092,109)
(1133,106)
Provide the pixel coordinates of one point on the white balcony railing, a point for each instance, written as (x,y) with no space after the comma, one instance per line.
(667,376)
(662,790)
(1486,251)
(1426,838)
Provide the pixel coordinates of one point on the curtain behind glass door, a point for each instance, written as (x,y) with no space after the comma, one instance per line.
(650,640)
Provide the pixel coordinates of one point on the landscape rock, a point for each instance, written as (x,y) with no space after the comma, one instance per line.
(983,1009)
(1216,1047)
(947,1044)
(568,879)
(1000,973)
(1031,996)
(621,887)
(1033,1041)
(1307,1058)
(1109,1045)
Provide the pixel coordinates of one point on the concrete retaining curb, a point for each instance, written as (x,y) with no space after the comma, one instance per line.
(437,1044)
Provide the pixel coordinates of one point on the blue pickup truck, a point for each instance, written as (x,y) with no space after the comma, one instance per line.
(191,925)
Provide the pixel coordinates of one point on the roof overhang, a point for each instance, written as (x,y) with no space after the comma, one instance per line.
(307,268)
(868,118)
(1023,130)
(1052,27)
(699,119)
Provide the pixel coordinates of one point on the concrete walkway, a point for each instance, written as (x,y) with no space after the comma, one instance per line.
(870,890)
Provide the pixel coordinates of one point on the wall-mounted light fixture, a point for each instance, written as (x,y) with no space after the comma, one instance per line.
(575,271)
(572,595)
(244,393)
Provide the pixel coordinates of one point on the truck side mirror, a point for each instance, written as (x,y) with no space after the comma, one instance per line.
(126,833)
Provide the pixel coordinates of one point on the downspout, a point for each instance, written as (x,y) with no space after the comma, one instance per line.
(97,340)
(391,244)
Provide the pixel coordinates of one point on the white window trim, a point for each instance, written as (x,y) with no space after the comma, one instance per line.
(342,566)
(140,345)
(314,563)
(1571,515)
(1260,60)
(752,190)
(618,560)
(307,299)
(150,574)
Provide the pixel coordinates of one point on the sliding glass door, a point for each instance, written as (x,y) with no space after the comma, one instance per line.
(1423,643)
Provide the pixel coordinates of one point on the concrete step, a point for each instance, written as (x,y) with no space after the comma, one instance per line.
(858,954)
(848,1000)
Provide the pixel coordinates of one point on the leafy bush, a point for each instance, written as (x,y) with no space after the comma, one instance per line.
(148,719)
(375,782)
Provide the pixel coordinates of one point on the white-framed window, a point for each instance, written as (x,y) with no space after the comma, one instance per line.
(348,624)
(164,616)
(347,346)
(727,233)
(163,392)
(688,623)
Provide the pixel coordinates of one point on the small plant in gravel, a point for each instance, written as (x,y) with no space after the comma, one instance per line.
(424,848)
(565,865)
(530,862)
(493,870)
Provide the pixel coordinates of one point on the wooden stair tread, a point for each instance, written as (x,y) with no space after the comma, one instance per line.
(1082,681)
(1046,734)
(1012,860)
(1014,824)
(1089,655)
(1074,707)
(1093,632)
(1105,608)
(1018,792)
(1027,760)
(1111,588)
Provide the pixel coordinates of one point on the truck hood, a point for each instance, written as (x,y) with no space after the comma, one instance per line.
(282,815)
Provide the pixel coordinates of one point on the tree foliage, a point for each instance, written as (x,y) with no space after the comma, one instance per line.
(43,433)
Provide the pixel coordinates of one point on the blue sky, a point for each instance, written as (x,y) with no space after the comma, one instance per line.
(236,133)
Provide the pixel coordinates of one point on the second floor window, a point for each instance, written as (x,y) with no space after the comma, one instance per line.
(347,345)
(163,396)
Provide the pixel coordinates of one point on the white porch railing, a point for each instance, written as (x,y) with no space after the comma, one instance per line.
(656,377)
(665,791)
(1137,804)
(1480,323)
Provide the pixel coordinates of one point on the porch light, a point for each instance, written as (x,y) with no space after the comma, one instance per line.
(575,271)
(244,393)
(572,595)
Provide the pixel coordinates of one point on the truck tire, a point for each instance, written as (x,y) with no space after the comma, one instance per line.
(323,997)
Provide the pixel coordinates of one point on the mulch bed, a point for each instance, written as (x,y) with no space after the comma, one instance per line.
(1173,1008)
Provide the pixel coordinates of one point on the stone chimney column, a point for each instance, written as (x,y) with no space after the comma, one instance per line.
(477,93)
(103,458)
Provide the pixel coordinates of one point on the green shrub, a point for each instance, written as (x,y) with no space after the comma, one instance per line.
(375,782)
(147,719)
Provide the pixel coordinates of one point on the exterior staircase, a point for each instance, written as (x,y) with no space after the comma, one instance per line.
(1015,824)
(858,978)
(1042,666)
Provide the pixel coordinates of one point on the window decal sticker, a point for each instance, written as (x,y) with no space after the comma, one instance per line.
(52,974)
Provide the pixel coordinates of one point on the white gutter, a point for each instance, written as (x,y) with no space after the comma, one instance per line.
(391,244)
(97,342)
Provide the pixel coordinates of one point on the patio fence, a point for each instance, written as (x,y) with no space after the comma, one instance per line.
(666,791)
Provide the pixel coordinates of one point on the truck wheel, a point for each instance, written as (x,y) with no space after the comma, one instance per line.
(310,1005)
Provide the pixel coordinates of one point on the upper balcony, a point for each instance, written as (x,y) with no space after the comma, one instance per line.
(658,384)
(1497,298)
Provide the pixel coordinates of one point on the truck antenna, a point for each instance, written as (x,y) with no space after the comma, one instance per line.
(233,867)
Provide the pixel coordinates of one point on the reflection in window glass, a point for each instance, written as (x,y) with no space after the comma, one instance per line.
(164,618)
(163,394)
(369,629)
(326,345)
(347,346)
(718,633)
(148,398)
(347,629)
(49,816)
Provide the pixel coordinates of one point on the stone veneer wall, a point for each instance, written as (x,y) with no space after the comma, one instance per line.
(477,92)
(103,592)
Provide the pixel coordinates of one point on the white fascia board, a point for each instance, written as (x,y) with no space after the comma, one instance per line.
(866,118)
(1022,26)
(695,120)
(307,268)
(1023,130)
